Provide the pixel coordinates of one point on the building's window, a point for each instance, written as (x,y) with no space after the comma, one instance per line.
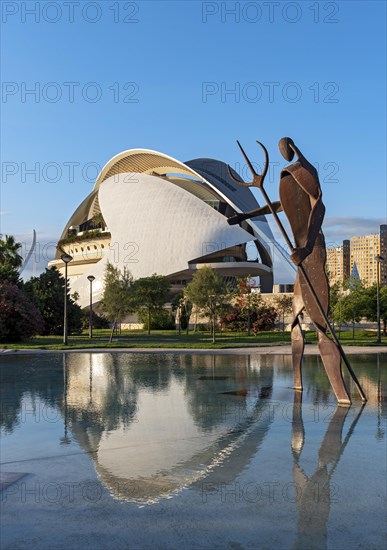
(213,203)
(228,259)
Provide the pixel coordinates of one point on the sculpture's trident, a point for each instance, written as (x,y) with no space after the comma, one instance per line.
(258,180)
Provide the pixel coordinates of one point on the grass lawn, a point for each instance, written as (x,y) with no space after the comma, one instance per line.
(171,339)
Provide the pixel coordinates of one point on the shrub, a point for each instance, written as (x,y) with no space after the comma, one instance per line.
(160,320)
(73,237)
(99,321)
(235,320)
(261,318)
(265,319)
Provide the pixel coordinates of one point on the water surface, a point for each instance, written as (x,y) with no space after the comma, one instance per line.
(126,450)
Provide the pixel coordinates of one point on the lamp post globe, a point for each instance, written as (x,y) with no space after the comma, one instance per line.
(66,258)
(91,278)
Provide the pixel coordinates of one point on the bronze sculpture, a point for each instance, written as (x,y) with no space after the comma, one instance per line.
(301,200)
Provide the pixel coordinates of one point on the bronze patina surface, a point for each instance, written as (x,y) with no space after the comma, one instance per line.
(301,200)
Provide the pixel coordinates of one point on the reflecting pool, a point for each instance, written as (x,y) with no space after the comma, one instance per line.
(130,450)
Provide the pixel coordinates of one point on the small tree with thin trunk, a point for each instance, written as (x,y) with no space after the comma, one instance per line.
(283,304)
(353,304)
(246,301)
(177,307)
(151,293)
(209,292)
(183,308)
(186,313)
(118,297)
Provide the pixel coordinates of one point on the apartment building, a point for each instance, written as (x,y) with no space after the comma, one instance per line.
(362,251)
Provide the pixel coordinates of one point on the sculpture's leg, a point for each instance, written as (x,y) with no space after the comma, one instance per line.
(297,337)
(298,432)
(331,358)
(297,354)
(330,354)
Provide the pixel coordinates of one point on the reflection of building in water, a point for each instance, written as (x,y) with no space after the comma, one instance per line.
(87,380)
(152,429)
(154,424)
(374,392)
(373,381)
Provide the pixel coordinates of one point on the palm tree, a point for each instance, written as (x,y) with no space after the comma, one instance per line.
(10,259)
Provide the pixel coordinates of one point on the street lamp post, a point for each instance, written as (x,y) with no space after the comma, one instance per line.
(66,258)
(378,259)
(91,279)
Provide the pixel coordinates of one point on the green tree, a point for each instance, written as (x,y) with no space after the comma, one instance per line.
(336,295)
(183,307)
(177,307)
(209,292)
(47,293)
(10,259)
(98,221)
(118,297)
(246,303)
(98,321)
(383,308)
(186,311)
(370,305)
(243,297)
(19,318)
(283,304)
(334,298)
(151,293)
(353,304)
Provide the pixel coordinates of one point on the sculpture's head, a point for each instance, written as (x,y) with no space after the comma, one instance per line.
(287,148)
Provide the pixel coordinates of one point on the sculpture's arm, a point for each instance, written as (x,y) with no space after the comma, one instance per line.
(263,210)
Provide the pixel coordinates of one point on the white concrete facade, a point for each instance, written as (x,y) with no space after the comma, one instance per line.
(164,217)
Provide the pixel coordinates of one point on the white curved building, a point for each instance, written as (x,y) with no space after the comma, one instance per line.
(154,214)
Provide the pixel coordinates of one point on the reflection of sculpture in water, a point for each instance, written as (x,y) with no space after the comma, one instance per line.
(314,494)
(301,200)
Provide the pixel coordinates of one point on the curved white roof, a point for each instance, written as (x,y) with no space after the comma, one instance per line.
(144,161)
(147,161)
(163,213)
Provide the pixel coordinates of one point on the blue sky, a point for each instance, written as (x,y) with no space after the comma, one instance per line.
(188,79)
